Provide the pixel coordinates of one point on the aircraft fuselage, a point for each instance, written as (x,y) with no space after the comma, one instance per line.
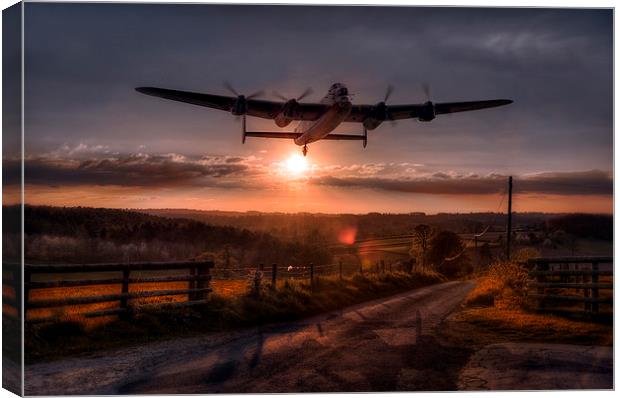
(340,107)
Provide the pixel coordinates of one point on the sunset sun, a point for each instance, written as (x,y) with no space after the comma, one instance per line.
(296,164)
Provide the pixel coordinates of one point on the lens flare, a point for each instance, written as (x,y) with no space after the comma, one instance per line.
(347,235)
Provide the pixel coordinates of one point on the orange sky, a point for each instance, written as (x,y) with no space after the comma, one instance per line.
(308,199)
(98,142)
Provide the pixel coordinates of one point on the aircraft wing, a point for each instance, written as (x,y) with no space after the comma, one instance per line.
(397,112)
(451,107)
(257,108)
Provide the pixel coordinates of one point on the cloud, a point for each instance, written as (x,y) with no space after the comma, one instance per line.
(136,170)
(593,182)
(84,165)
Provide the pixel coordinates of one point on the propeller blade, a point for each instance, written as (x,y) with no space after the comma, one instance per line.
(427,91)
(388,92)
(277,94)
(230,88)
(305,94)
(257,94)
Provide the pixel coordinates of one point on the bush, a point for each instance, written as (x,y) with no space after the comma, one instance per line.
(503,285)
(447,254)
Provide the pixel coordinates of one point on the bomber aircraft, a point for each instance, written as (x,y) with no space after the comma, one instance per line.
(318,120)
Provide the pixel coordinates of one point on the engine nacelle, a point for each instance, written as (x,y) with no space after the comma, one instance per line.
(281,120)
(371,123)
(240,106)
(427,112)
(379,114)
(289,112)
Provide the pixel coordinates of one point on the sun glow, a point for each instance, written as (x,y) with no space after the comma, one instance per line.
(296,164)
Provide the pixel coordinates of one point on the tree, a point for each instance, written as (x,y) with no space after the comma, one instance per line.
(421,237)
(447,254)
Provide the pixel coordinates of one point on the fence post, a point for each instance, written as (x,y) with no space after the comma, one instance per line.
(587,305)
(594,288)
(340,268)
(540,266)
(274,270)
(312,274)
(191,296)
(125,289)
(202,271)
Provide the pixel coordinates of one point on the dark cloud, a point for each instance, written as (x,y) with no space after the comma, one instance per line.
(135,170)
(592,182)
(83,165)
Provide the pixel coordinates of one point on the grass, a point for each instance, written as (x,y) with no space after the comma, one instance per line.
(504,285)
(224,288)
(497,310)
(290,301)
(520,325)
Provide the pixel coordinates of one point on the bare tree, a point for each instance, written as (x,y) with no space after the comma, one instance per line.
(421,237)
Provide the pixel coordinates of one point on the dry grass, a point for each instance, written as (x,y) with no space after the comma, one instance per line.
(223,288)
(504,285)
(498,310)
(520,325)
(229,288)
(74,312)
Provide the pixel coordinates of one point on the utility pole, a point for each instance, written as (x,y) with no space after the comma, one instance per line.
(509,227)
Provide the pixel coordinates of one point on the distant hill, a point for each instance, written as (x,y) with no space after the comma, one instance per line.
(81,234)
(327,227)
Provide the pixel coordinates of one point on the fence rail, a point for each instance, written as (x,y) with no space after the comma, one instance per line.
(553,277)
(41,277)
(121,283)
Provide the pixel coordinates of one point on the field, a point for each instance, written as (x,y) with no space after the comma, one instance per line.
(292,299)
(225,282)
(226,288)
(402,244)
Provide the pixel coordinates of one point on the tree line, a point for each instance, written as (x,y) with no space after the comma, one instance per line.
(80,234)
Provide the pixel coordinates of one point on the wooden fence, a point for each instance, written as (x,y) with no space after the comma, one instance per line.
(554,278)
(46,277)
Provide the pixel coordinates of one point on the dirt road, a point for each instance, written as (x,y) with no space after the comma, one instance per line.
(384,345)
(533,366)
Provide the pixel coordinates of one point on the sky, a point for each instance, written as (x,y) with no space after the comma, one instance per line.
(91,140)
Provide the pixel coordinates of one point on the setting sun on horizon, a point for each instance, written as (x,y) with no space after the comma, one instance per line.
(296,164)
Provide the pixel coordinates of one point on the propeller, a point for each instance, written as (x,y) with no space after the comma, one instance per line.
(381,111)
(303,95)
(427,91)
(388,92)
(291,105)
(256,94)
(428,108)
(239,107)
